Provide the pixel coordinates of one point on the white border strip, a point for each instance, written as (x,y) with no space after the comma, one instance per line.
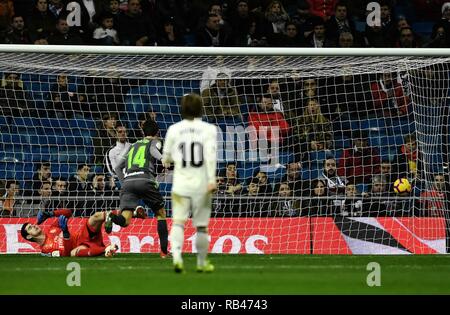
(224,51)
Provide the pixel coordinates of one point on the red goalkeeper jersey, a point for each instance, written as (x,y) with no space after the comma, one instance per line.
(55,244)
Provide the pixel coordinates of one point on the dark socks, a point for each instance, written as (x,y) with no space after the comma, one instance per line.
(163,235)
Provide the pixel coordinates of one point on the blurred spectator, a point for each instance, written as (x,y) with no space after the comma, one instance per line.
(311,124)
(254,206)
(301,18)
(316,205)
(408,160)
(106,94)
(376,202)
(135,29)
(18,34)
(384,35)
(293,179)
(240,23)
(408,39)
(322,8)
(9,199)
(320,142)
(101,187)
(359,162)
(59,189)
(209,76)
(231,184)
(221,100)
(6,14)
(289,207)
(346,40)
(43,174)
(275,19)
(78,183)
(273,89)
(45,193)
(106,34)
(265,116)
(352,205)
(440,37)
(13,99)
(352,94)
(433,200)
(64,103)
(63,35)
(335,183)
(317,38)
(169,35)
(389,98)
(41,22)
(388,171)
(292,37)
(265,188)
(217,9)
(105,138)
(211,35)
(339,23)
(136,134)
(115,152)
(56,7)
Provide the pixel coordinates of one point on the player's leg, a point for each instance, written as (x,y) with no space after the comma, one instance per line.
(128,203)
(201,214)
(87,251)
(154,199)
(181,206)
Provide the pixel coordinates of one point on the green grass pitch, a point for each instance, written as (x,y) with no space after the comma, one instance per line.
(234,275)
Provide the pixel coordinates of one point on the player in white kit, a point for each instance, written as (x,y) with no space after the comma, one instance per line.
(191,146)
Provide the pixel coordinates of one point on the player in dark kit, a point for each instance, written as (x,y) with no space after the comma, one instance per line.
(136,170)
(58,241)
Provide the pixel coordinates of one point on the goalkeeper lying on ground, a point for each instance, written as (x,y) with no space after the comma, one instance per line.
(57,240)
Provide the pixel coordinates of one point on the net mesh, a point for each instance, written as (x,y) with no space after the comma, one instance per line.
(315,154)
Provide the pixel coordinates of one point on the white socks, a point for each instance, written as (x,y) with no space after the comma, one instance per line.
(202,244)
(176,242)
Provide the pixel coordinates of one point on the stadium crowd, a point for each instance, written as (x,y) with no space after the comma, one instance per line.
(312,114)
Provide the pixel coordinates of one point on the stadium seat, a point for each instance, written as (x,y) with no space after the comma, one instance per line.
(26,125)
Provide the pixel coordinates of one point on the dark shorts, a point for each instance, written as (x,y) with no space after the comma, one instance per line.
(88,236)
(134,191)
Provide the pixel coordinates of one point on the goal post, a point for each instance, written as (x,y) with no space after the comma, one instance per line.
(322,151)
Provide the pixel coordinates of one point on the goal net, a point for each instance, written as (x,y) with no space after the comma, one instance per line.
(317,153)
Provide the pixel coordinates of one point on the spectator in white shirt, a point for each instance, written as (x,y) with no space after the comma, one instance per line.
(106,34)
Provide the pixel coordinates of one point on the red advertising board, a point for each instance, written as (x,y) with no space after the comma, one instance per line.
(267,236)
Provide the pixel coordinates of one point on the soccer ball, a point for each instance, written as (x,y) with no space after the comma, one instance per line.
(402,185)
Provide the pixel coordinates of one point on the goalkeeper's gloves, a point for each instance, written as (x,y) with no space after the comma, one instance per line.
(44,215)
(62,222)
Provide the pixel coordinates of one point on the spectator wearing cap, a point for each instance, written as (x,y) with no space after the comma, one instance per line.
(240,23)
(135,28)
(221,101)
(106,34)
(360,162)
(169,34)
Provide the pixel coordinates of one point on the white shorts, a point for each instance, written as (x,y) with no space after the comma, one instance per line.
(199,206)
